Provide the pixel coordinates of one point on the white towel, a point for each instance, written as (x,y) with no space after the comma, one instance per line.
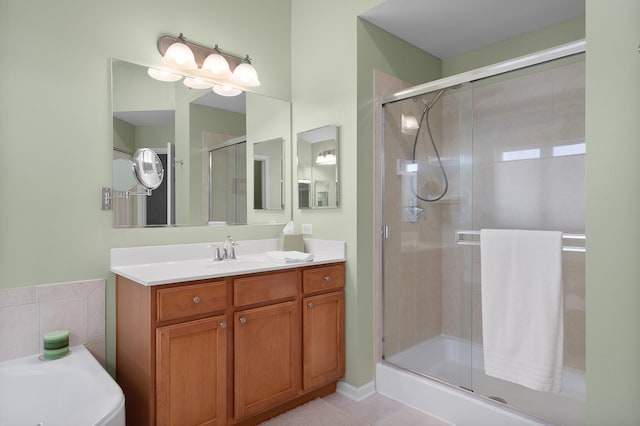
(522,306)
(290,256)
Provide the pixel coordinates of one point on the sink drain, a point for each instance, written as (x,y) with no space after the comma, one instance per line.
(497,398)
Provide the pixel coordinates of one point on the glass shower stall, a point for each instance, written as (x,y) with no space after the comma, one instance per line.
(497,151)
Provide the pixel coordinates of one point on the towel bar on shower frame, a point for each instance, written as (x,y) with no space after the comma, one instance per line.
(461,234)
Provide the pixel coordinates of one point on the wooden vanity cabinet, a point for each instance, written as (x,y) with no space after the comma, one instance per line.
(191,373)
(171,352)
(323,326)
(236,351)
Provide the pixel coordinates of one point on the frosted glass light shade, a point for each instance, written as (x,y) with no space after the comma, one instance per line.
(246,75)
(224,90)
(216,65)
(197,83)
(178,55)
(163,75)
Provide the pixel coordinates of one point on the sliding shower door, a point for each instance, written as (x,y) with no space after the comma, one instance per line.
(503,152)
(426,279)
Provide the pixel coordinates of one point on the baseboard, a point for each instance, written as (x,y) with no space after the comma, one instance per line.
(354,393)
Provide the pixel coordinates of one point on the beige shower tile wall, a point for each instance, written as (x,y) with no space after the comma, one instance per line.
(26,314)
(413,253)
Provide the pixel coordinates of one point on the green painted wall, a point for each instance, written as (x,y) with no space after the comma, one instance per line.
(124,136)
(545,38)
(324,87)
(154,136)
(56,73)
(613,211)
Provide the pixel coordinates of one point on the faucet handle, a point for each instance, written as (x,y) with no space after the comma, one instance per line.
(218,255)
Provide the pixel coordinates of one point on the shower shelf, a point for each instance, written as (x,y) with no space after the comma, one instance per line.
(461,234)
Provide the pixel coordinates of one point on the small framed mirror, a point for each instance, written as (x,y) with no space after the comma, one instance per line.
(318,165)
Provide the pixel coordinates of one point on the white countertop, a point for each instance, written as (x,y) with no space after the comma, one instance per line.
(156,265)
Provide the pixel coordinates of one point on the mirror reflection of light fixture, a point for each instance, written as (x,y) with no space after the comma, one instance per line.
(409,123)
(197,83)
(203,67)
(163,75)
(226,90)
(326,158)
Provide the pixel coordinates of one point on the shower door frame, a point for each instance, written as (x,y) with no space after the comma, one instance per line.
(381,230)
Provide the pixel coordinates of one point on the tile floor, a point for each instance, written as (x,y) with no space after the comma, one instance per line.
(378,410)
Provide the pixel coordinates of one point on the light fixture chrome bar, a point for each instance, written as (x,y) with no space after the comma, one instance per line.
(199,52)
(461,234)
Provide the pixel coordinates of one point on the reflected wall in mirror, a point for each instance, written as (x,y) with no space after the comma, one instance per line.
(268,175)
(150,113)
(227,172)
(318,160)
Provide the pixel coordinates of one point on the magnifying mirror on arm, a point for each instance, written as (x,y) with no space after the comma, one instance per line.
(145,169)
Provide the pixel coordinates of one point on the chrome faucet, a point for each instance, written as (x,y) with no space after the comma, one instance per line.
(228,250)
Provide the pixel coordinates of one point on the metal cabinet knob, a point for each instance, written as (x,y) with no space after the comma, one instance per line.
(327,278)
(310,305)
(223,324)
(243,320)
(196,299)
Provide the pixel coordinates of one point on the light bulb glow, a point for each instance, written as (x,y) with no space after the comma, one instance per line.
(163,75)
(197,83)
(225,90)
(216,65)
(179,55)
(246,75)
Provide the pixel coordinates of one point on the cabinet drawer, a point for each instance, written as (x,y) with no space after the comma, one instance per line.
(265,288)
(325,278)
(195,299)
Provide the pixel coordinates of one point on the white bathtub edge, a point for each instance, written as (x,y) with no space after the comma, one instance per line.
(443,402)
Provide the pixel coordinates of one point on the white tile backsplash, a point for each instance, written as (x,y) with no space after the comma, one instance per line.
(27,313)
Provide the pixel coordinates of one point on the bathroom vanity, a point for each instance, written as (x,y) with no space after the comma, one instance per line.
(231,348)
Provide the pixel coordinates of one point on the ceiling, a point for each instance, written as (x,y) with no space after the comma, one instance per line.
(447,28)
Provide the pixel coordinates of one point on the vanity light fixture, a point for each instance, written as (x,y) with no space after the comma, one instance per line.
(203,67)
(326,158)
(216,65)
(245,74)
(178,55)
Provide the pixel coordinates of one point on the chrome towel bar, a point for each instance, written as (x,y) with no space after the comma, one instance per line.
(470,241)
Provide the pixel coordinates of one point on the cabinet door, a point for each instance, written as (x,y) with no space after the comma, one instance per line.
(323,339)
(191,373)
(266,356)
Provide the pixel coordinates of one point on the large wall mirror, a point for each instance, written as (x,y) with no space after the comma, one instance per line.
(318,180)
(218,144)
